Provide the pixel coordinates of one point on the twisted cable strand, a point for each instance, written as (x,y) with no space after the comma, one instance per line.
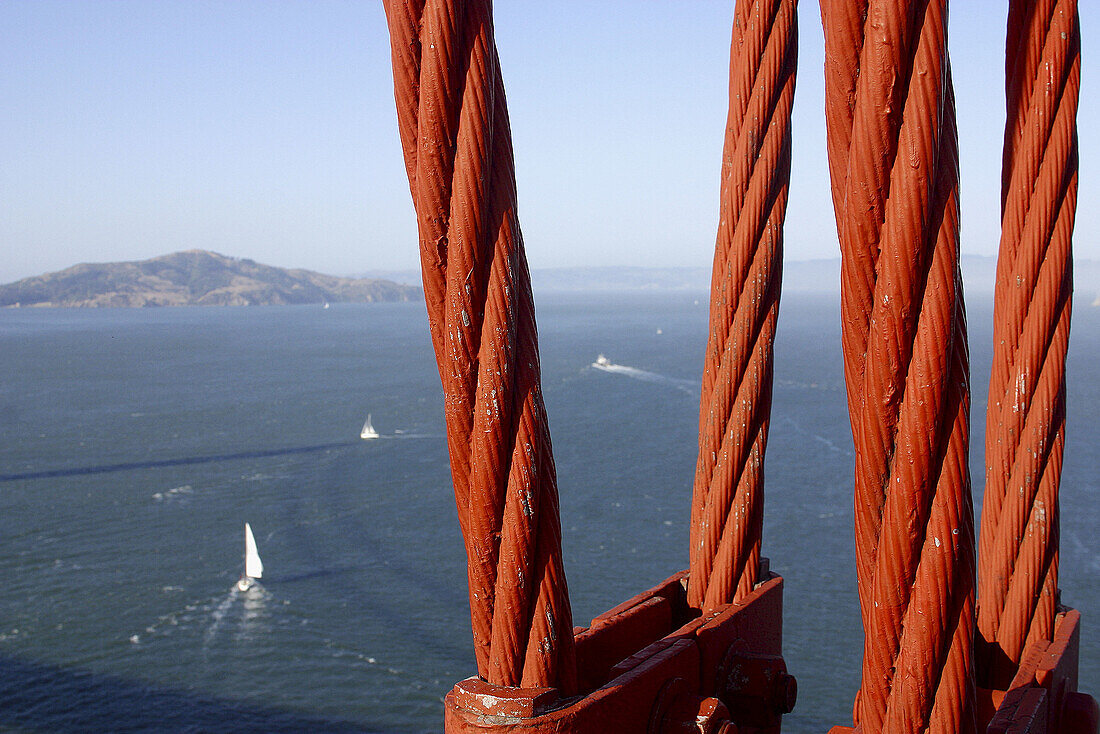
(727,498)
(457,145)
(1025,420)
(894,168)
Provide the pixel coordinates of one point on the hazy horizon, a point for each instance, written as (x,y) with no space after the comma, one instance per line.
(269,132)
(806,275)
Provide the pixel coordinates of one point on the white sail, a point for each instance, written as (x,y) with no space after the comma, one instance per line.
(253,566)
(368,430)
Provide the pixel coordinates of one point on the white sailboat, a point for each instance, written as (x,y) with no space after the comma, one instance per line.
(253,566)
(368,431)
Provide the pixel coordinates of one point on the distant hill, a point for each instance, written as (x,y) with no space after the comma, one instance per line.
(195,278)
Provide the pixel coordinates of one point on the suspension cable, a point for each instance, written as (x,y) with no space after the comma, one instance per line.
(894,166)
(457,144)
(1026,418)
(735,405)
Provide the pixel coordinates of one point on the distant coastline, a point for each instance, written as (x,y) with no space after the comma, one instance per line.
(202,278)
(194,278)
(799,276)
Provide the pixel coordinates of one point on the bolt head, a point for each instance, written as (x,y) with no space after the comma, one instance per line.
(785,693)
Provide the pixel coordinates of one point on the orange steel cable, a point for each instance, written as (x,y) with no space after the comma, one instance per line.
(457,145)
(894,166)
(1026,418)
(727,502)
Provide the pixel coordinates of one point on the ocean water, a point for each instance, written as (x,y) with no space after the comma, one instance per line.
(134,444)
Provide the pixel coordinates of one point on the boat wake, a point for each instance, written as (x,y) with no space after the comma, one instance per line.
(218,615)
(173,494)
(246,613)
(249,618)
(1083,551)
(187,617)
(399,435)
(604,364)
(827,443)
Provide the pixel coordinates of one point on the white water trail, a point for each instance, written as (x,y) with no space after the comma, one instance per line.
(1082,550)
(787,420)
(634,373)
(218,615)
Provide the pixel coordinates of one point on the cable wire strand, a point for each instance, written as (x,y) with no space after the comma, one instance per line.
(1026,415)
(734,408)
(456,140)
(893,158)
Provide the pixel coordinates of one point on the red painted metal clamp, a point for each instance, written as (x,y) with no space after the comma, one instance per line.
(1043,696)
(654,665)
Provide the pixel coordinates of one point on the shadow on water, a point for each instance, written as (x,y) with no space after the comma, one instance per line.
(42,697)
(184,461)
(318,573)
(385,608)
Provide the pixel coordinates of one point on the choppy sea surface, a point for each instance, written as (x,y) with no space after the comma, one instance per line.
(134,444)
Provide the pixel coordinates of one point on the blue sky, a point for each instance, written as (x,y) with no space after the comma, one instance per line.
(268,130)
